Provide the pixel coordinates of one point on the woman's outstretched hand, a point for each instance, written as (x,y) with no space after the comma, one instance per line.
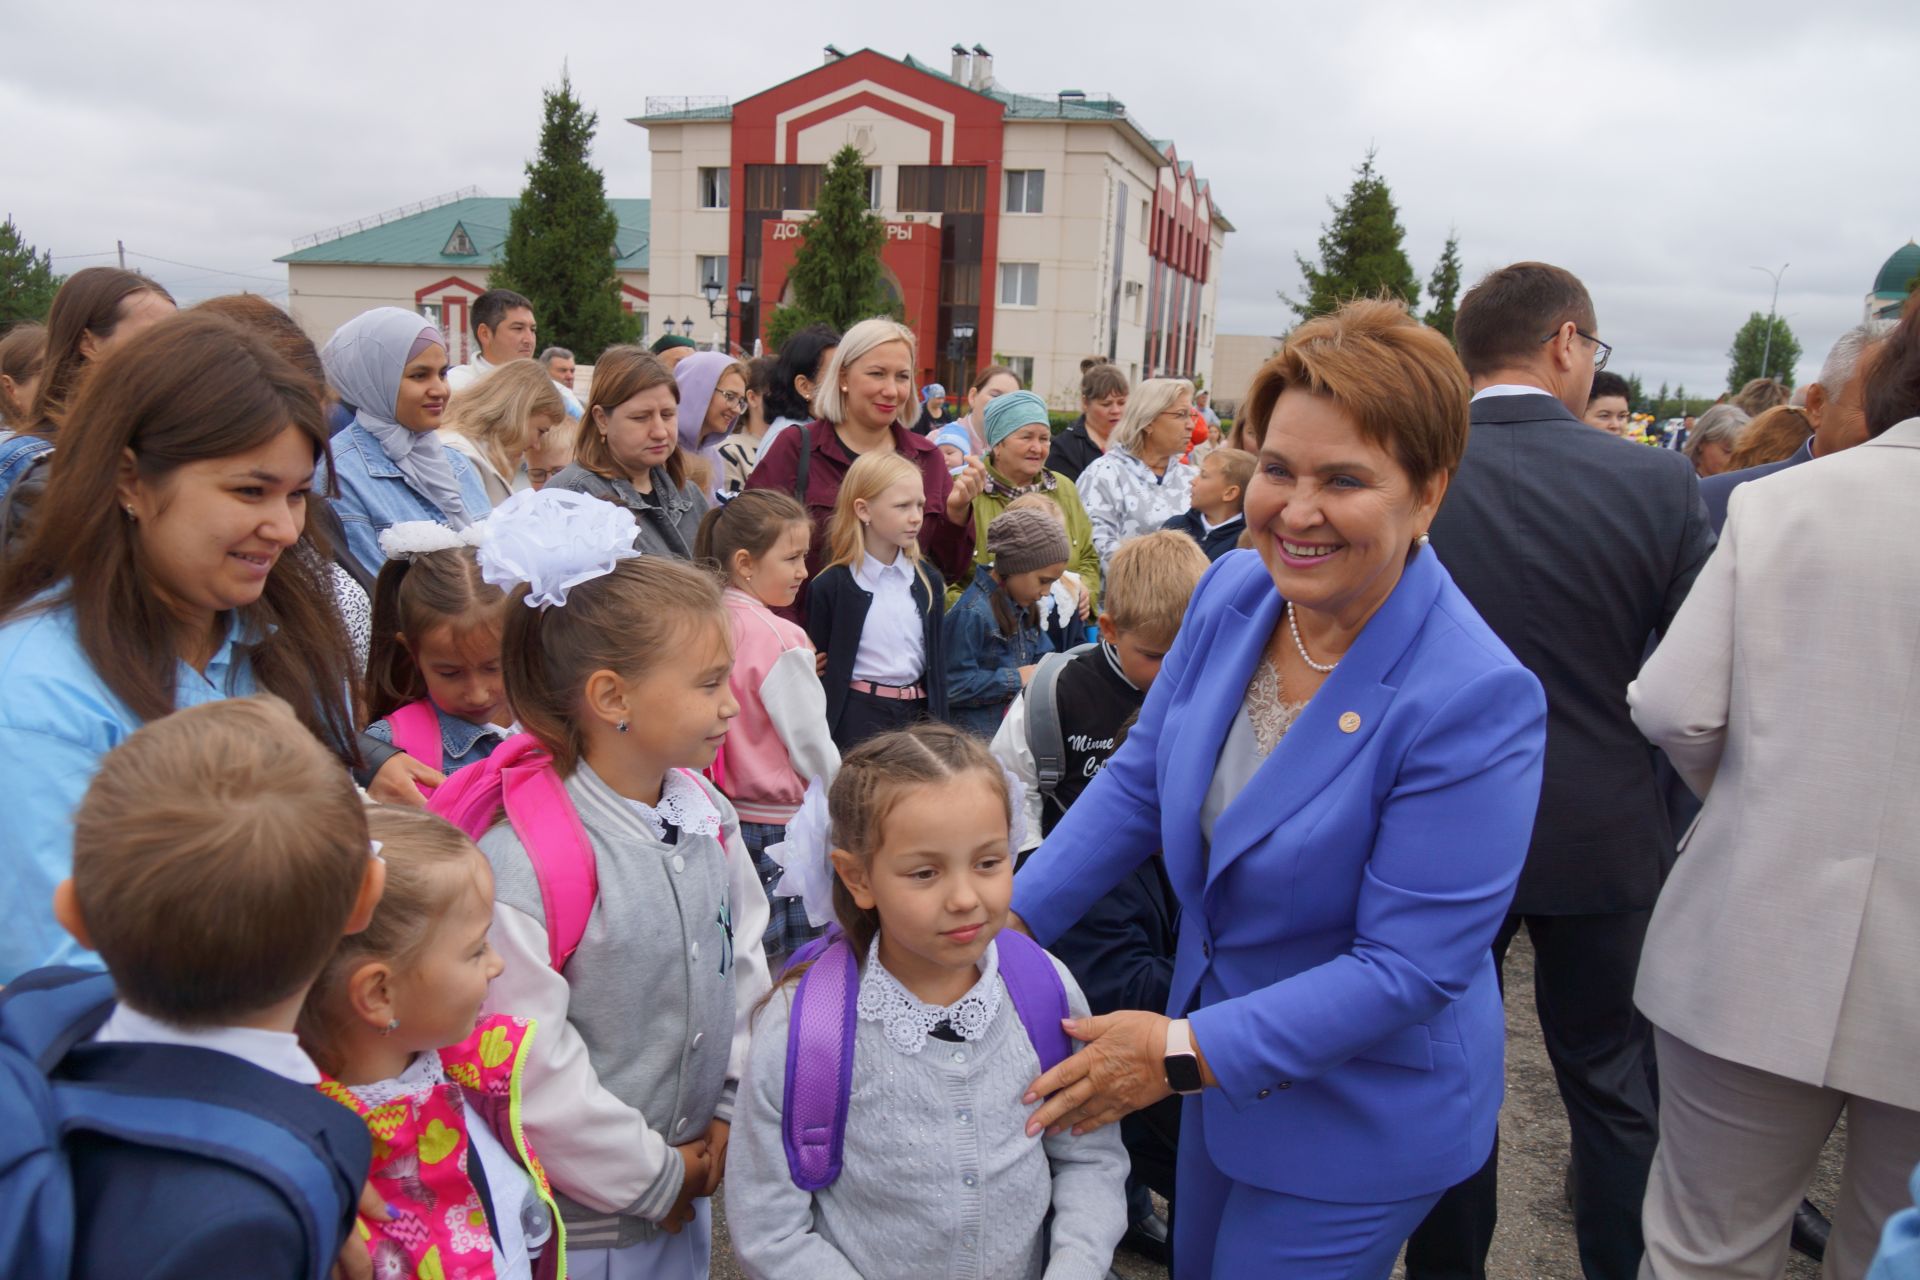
(1122,1069)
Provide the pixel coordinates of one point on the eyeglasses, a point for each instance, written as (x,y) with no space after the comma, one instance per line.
(734,401)
(1600,349)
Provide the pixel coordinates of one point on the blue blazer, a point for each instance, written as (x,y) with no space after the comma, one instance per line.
(1334,950)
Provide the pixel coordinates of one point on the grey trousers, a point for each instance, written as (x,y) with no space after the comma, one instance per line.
(1737,1149)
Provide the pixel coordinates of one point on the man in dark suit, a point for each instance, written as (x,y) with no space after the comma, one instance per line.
(1575,546)
(1833,405)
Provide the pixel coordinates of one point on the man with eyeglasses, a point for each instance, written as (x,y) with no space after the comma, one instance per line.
(1576,547)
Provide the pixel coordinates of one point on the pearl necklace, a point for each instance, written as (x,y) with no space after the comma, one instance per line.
(1294,626)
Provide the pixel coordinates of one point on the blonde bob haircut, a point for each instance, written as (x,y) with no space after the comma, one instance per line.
(1399,381)
(1149,400)
(856,344)
(498,412)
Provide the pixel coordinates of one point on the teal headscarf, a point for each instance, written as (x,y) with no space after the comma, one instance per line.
(1008,413)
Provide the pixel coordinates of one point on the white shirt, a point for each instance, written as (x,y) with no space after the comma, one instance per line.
(462,376)
(1509,389)
(893,647)
(275,1051)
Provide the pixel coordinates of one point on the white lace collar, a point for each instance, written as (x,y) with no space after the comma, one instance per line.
(683,803)
(422,1076)
(908,1020)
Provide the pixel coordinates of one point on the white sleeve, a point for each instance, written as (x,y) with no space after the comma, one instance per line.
(771,1218)
(797,705)
(595,1147)
(1015,753)
(1089,1184)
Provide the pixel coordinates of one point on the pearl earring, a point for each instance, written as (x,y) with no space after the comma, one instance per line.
(1421,540)
(393,1025)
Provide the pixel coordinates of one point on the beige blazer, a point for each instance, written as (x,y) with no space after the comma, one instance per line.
(1787,694)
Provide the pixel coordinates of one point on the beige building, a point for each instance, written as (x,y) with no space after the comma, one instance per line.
(1030,231)
(1236,358)
(435,258)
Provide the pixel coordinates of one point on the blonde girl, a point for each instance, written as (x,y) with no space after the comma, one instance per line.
(875,611)
(495,421)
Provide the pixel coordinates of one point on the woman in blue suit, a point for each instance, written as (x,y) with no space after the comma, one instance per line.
(1341,764)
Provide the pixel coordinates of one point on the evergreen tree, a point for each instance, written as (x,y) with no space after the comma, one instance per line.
(1360,250)
(1444,287)
(561,237)
(1636,394)
(27,282)
(837,278)
(1659,409)
(1751,356)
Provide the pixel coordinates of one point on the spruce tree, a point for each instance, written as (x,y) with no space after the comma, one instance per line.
(1752,356)
(561,238)
(1659,409)
(837,278)
(27,282)
(1444,286)
(1361,253)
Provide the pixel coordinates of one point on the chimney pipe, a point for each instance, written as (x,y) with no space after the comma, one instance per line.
(982,69)
(960,63)
(833,55)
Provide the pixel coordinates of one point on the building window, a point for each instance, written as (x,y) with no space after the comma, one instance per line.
(716,188)
(940,188)
(1022,367)
(1019,284)
(873,187)
(434,314)
(643,326)
(1026,190)
(710,271)
(775,188)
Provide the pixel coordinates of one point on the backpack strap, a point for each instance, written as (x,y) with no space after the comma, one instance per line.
(543,816)
(1045,738)
(1039,997)
(802,462)
(416,731)
(819,1076)
(45,1014)
(281,1159)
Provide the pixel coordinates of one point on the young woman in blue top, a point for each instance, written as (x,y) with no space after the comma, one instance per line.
(390,464)
(162,576)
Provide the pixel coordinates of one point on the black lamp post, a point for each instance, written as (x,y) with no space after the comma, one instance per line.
(712,289)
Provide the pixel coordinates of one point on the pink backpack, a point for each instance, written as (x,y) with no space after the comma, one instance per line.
(519,779)
(416,731)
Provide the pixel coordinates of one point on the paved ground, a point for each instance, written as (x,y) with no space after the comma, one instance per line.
(1534,1240)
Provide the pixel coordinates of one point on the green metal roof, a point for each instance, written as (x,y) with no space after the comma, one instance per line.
(422,239)
(1897,271)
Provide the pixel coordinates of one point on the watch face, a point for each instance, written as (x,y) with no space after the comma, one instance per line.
(1183,1073)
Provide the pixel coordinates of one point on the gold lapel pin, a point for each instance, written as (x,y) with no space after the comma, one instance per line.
(1350,722)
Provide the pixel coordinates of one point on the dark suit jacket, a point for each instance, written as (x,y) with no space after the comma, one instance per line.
(1715,490)
(836,615)
(1575,546)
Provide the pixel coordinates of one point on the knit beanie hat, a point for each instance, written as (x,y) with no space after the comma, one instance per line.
(1024,540)
(955,435)
(1008,413)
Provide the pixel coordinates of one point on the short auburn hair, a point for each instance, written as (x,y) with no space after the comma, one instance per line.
(1398,379)
(622,373)
(1504,320)
(217,857)
(1149,582)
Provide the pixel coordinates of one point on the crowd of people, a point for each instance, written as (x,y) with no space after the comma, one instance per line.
(448,810)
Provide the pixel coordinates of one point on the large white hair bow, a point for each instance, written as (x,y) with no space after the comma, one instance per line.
(553,540)
(413,538)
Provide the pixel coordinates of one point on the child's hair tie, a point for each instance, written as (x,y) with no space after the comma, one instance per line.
(806,855)
(553,540)
(411,539)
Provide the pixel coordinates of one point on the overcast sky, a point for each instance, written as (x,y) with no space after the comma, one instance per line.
(1659,148)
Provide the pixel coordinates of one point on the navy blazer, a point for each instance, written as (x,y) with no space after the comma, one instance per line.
(1334,949)
(1715,490)
(837,614)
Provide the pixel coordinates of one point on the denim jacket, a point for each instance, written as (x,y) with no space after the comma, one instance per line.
(462,742)
(369,493)
(983,666)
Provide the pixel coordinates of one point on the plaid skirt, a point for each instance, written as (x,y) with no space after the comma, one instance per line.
(787,926)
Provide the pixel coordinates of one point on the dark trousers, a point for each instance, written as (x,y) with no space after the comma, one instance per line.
(867,716)
(1602,1055)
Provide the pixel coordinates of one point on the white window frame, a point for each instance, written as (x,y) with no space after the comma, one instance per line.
(874,188)
(1028,203)
(1022,367)
(702,274)
(715,181)
(1023,272)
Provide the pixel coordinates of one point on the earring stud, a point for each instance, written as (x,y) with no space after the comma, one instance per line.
(621,727)
(393,1025)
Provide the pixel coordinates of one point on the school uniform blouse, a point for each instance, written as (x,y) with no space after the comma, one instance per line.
(57,720)
(890,649)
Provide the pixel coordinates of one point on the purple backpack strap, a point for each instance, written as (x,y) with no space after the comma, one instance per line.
(819,1077)
(1039,997)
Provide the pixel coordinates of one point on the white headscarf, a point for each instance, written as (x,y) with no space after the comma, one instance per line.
(364,360)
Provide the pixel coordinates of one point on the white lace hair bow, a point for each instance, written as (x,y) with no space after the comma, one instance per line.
(553,540)
(805,856)
(413,538)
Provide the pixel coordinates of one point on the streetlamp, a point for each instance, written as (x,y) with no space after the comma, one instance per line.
(1766,353)
(712,289)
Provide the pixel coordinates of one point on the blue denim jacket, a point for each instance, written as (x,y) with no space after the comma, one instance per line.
(462,742)
(57,720)
(983,666)
(369,493)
